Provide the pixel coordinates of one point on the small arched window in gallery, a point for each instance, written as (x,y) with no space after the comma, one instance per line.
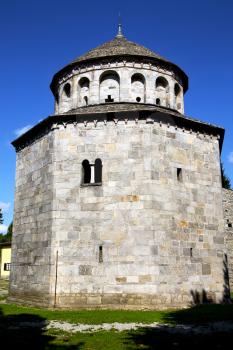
(67,90)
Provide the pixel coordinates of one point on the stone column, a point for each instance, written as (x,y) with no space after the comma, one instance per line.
(125,84)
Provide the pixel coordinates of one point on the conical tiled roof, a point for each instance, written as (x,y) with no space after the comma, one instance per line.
(119,46)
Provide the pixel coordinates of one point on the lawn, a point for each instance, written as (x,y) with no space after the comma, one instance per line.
(144,338)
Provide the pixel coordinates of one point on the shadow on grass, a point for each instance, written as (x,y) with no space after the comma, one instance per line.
(203,310)
(27,332)
(161,338)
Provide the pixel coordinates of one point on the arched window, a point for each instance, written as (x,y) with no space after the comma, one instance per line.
(86,171)
(178,96)
(84,85)
(109,87)
(98,170)
(158,101)
(162,91)
(67,89)
(138,87)
(177,89)
(161,84)
(92,173)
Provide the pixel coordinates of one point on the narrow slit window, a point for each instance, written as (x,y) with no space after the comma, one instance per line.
(100,254)
(86,100)
(191,252)
(179,174)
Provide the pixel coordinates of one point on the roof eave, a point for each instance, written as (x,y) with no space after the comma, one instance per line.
(181,121)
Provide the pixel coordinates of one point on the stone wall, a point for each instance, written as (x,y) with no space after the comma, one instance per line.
(157,218)
(228,216)
(31,244)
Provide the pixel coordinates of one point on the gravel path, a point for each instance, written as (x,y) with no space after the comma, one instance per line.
(213,327)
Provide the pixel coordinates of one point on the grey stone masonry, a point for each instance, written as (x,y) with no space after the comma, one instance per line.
(31,243)
(156,217)
(228,216)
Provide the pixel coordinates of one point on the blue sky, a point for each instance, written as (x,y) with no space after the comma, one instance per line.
(40,37)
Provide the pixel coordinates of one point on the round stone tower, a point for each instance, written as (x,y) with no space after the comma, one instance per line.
(118,198)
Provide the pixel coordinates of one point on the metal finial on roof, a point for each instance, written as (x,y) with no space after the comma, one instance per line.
(119,34)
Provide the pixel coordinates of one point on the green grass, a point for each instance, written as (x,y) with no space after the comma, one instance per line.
(144,338)
(196,315)
(86,316)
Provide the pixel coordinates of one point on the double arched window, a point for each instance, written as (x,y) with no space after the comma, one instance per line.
(92,172)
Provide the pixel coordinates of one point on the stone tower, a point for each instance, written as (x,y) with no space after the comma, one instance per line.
(118,199)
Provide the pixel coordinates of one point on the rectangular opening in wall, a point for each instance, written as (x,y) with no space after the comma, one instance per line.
(100,254)
(7,266)
(179,174)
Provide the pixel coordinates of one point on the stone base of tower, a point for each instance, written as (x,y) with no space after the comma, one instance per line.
(117,300)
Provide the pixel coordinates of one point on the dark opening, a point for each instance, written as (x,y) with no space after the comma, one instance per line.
(100,254)
(161,82)
(86,100)
(86,172)
(158,101)
(177,89)
(67,89)
(84,83)
(138,99)
(7,266)
(98,170)
(191,252)
(229,224)
(109,99)
(179,174)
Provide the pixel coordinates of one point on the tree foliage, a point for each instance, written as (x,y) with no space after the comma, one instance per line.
(226,183)
(8,236)
(10,229)
(1,216)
